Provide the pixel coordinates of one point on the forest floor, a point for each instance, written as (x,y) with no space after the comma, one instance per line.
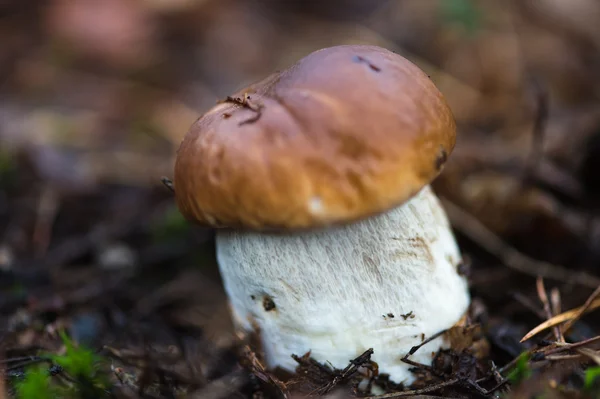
(105,291)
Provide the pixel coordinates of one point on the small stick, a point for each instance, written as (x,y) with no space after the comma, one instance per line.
(541,291)
(347,372)
(556,309)
(413,392)
(561,318)
(497,376)
(559,358)
(31,361)
(539,130)
(583,309)
(592,354)
(575,345)
(414,349)
(260,371)
(22,358)
(512,363)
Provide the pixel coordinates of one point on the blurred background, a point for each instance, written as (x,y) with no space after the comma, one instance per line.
(95,97)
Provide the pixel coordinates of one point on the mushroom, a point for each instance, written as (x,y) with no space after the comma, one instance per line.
(329,238)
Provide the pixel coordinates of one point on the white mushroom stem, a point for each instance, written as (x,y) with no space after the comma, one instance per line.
(383,283)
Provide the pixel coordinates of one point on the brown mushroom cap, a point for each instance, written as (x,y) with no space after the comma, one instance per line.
(345,133)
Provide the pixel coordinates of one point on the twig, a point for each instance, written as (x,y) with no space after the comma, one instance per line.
(414,349)
(415,392)
(562,358)
(259,370)
(581,352)
(22,358)
(584,309)
(565,347)
(556,309)
(33,360)
(511,364)
(424,397)
(539,130)
(497,376)
(594,355)
(561,318)
(347,372)
(515,260)
(541,291)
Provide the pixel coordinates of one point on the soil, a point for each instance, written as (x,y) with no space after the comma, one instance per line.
(95,98)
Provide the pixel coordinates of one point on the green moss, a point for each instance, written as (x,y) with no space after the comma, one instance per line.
(522,371)
(36,385)
(77,361)
(80,363)
(592,379)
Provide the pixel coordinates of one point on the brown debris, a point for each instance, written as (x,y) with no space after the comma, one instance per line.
(251,361)
(97,95)
(322,380)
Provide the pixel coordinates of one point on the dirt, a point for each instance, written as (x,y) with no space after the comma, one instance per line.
(91,242)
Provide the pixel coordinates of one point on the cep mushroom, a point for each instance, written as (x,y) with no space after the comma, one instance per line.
(329,238)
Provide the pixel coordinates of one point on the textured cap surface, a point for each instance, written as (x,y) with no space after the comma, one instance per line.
(345,133)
